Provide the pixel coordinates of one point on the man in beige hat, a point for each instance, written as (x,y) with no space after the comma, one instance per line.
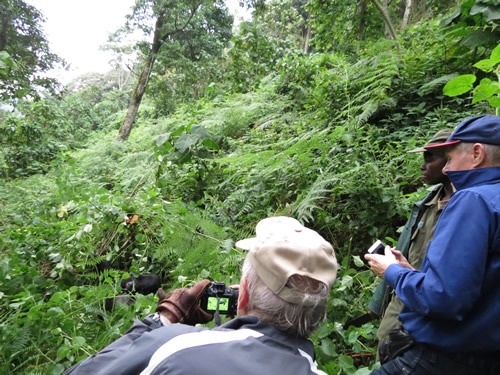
(286,279)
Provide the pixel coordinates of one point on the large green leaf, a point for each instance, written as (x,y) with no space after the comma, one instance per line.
(488,12)
(186,141)
(485,90)
(459,85)
(486,65)
(162,138)
(495,54)
(494,102)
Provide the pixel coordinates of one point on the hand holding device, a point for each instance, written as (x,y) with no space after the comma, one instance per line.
(182,305)
(377,248)
(377,263)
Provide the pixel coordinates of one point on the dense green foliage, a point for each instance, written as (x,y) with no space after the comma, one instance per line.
(278,130)
(487,89)
(188,38)
(191,59)
(24,52)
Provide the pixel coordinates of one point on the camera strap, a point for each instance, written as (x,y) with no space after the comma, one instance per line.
(216,313)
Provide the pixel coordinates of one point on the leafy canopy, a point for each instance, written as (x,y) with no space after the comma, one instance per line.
(25,56)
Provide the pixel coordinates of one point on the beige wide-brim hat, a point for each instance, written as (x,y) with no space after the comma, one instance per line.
(284,247)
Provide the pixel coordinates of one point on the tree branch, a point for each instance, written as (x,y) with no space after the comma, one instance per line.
(177,29)
(387,19)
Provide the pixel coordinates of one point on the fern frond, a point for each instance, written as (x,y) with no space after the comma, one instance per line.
(369,80)
(320,190)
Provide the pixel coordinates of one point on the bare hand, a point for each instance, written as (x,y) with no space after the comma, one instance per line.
(400,258)
(379,263)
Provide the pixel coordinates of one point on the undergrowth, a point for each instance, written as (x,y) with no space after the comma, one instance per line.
(322,139)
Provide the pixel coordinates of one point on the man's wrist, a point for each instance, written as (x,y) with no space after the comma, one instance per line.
(156,320)
(164,319)
(170,311)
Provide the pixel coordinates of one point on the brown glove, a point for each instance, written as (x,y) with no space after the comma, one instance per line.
(182,305)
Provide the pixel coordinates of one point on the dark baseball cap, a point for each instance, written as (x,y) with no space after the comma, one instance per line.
(478,129)
(440,137)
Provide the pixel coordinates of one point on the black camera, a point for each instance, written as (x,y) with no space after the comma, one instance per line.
(377,248)
(218,297)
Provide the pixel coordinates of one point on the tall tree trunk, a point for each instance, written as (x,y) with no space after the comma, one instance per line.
(136,99)
(159,37)
(423,9)
(363,7)
(307,38)
(4,23)
(410,7)
(387,19)
(142,83)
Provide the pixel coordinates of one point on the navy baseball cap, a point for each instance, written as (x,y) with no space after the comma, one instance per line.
(478,129)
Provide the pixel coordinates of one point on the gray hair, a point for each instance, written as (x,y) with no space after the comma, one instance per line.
(464,147)
(297,319)
(492,151)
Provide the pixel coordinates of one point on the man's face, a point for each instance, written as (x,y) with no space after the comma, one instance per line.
(432,169)
(458,160)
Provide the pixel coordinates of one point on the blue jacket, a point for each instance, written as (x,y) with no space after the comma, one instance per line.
(382,294)
(453,302)
(244,346)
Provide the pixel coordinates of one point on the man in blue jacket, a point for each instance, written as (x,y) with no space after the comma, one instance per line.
(452,305)
(286,279)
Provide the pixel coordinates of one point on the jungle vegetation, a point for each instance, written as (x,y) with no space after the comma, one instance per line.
(306,110)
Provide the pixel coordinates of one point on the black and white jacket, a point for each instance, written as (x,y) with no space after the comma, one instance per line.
(243,346)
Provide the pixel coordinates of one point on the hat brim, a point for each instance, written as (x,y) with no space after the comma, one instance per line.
(440,145)
(441,148)
(246,244)
(415,150)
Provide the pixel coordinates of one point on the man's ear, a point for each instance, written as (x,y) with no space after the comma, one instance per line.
(243,298)
(479,156)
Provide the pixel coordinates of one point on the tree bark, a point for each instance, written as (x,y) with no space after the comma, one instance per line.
(363,7)
(159,38)
(4,23)
(387,19)
(142,82)
(307,39)
(409,9)
(423,9)
(136,99)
